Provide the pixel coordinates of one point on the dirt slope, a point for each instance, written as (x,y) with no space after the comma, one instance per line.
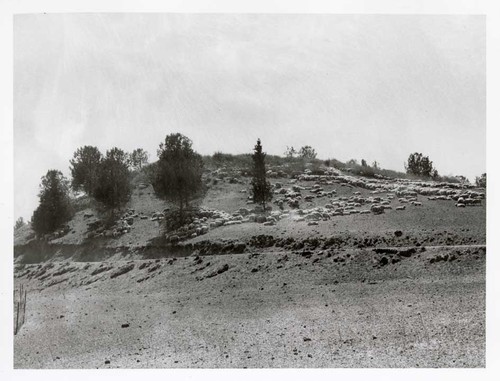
(347,308)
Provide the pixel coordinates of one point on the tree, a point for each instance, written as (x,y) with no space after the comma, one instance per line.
(307,152)
(462,179)
(55,207)
(113,188)
(435,174)
(375,165)
(420,165)
(481,181)
(177,174)
(352,162)
(364,163)
(290,152)
(85,169)
(261,188)
(138,158)
(19,223)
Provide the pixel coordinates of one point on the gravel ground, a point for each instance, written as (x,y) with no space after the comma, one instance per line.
(343,308)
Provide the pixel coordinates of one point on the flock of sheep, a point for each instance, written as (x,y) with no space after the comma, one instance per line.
(296,201)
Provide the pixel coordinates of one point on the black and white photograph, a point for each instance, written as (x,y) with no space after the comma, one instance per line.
(248,190)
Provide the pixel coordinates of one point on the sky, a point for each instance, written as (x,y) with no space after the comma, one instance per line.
(370,87)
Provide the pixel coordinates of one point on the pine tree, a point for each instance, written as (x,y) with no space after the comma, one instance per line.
(113,188)
(176,176)
(55,207)
(261,188)
(85,169)
(420,165)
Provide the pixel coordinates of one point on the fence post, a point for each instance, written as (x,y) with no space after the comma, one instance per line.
(17,320)
(24,305)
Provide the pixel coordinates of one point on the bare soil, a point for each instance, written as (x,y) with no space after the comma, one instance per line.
(336,308)
(400,289)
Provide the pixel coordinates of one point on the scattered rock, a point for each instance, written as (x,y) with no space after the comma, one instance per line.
(122,270)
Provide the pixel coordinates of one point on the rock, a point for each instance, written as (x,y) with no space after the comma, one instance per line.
(407,253)
(222,269)
(260,219)
(383,261)
(377,209)
(122,270)
(125,325)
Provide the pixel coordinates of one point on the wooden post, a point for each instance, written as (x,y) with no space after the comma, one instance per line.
(17,320)
(24,305)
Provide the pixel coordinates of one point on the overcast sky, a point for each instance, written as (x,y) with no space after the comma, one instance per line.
(372,87)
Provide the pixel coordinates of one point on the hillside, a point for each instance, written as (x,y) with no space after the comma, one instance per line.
(344,271)
(310,206)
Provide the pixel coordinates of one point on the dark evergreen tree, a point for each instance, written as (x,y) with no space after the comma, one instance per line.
(55,206)
(85,169)
(420,165)
(176,176)
(261,188)
(113,188)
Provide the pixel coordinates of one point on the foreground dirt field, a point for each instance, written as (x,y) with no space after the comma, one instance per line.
(342,308)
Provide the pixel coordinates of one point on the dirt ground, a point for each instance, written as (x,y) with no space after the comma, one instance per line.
(342,308)
(331,295)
